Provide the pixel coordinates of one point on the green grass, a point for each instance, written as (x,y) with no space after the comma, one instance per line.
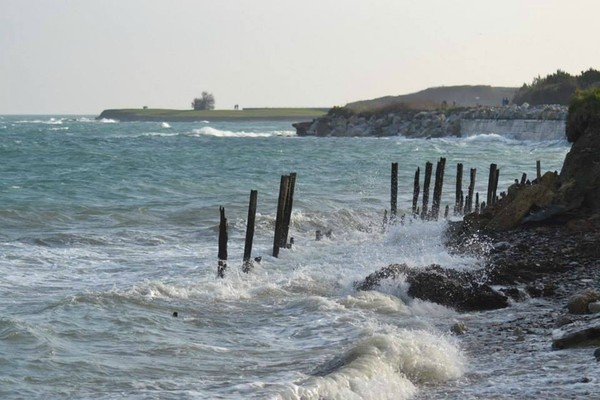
(252,113)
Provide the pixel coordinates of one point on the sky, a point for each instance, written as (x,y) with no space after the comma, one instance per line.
(83,56)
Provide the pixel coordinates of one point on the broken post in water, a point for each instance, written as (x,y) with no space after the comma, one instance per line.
(458,193)
(283,191)
(394,193)
(222,256)
(437,189)
(426,182)
(247,263)
(469,202)
(495,187)
(490,188)
(523,178)
(538,168)
(416,190)
(289,201)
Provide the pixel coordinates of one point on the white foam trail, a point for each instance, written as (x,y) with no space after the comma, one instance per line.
(165,125)
(210,131)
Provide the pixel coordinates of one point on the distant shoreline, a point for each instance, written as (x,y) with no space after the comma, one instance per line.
(251,114)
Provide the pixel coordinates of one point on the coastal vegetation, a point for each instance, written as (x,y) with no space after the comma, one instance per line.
(556,88)
(584,111)
(205,102)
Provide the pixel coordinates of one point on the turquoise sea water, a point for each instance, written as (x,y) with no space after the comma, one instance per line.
(108,228)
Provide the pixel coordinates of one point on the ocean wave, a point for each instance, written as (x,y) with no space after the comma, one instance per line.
(210,131)
(51,121)
(383,366)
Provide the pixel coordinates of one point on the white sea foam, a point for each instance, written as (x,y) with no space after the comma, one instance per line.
(384,366)
(210,131)
(165,125)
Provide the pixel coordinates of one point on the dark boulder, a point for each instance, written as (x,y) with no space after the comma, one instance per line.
(461,290)
(302,128)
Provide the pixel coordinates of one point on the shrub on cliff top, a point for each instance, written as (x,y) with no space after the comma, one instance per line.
(584,111)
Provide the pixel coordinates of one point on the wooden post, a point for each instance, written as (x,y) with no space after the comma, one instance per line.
(394,193)
(283,190)
(496,178)
(222,256)
(426,182)
(461,204)
(416,189)
(288,209)
(490,188)
(538,167)
(247,264)
(469,205)
(446,211)
(458,195)
(523,178)
(437,190)
(477,203)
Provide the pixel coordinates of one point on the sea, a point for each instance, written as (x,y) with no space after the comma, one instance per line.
(108,267)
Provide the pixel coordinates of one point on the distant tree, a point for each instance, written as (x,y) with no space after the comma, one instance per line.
(206,102)
(589,79)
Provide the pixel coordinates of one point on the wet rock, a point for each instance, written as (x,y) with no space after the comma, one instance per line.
(578,304)
(594,307)
(578,337)
(463,291)
(460,290)
(458,328)
(514,293)
(373,280)
(501,246)
(562,321)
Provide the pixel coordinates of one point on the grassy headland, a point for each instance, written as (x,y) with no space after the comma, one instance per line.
(169,115)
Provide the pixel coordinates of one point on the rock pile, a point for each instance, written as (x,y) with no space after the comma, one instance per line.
(422,124)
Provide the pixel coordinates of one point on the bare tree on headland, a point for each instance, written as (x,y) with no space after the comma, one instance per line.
(206,102)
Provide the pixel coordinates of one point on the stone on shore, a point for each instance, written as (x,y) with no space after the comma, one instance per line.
(579,303)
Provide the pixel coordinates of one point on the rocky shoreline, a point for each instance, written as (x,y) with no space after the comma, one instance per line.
(539,245)
(423,124)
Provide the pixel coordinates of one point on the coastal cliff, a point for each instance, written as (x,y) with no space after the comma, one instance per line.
(545,122)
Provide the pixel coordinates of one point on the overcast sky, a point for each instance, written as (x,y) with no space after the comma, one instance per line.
(82,56)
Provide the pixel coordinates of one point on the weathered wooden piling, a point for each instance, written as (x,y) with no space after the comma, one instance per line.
(491,180)
(437,189)
(247,263)
(426,183)
(523,178)
(469,202)
(495,187)
(477,203)
(283,192)
(222,255)
(394,193)
(416,189)
(538,168)
(458,195)
(446,211)
(288,209)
